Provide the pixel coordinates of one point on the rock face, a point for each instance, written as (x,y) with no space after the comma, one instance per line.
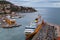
(5,5)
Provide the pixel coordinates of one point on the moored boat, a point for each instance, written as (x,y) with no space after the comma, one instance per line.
(7,22)
(15,15)
(10,26)
(30,29)
(33,28)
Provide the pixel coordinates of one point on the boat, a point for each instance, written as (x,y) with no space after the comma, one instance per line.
(32,25)
(30,32)
(10,26)
(16,17)
(7,22)
(32,29)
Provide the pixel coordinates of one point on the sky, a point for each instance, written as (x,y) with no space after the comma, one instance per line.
(34,0)
(37,3)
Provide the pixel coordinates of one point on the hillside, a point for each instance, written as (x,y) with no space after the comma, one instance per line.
(18,8)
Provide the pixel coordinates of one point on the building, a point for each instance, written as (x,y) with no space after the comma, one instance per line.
(5,6)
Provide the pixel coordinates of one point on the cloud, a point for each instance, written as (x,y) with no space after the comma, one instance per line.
(28,0)
(33,0)
(35,3)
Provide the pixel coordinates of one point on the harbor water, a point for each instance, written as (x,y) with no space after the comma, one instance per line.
(49,14)
(43,7)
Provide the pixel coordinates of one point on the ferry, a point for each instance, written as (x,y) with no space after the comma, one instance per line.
(33,28)
(30,29)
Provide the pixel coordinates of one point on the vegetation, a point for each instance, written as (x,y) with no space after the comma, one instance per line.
(17,8)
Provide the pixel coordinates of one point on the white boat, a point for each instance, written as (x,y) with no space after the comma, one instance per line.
(32,25)
(16,17)
(30,29)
